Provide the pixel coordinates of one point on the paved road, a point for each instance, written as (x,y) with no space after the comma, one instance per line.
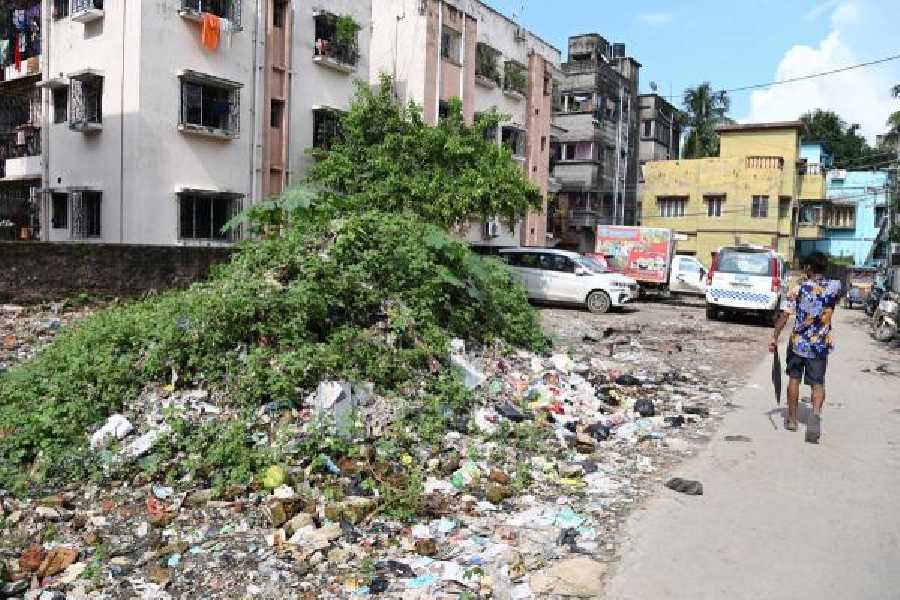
(782,519)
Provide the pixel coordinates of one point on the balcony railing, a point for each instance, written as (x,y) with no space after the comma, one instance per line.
(85,11)
(335,53)
(764,162)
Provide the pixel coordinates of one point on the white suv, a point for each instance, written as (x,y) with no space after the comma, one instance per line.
(745,279)
(561,276)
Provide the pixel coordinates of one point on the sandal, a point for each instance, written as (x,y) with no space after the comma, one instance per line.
(814,429)
(790,425)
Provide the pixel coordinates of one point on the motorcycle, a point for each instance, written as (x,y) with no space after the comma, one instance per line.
(872,300)
(886,318)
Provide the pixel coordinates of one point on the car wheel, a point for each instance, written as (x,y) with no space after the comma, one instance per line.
(598,302)
(712,313)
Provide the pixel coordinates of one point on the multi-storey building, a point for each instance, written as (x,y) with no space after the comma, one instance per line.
(596,156)
(660,134)
(155,122)
(440,49)
(849,221)
(747,195)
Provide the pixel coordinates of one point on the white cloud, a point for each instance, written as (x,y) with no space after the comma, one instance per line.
(860,96)
(820,9)
(655,19)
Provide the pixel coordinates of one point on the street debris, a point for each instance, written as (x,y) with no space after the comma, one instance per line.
(519,497)
(685,486)
(26,329)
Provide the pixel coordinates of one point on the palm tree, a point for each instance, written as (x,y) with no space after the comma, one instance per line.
(892,137)
(706,109)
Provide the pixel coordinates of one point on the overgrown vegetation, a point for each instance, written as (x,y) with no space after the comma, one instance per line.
(361,285)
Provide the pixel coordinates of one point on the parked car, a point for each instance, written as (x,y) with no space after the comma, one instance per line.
(647,254)
(745,279)
(568,277)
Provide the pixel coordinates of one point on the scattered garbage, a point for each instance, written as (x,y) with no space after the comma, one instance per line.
(685,486)
(520,496)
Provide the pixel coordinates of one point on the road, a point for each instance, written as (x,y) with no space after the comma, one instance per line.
(780,518)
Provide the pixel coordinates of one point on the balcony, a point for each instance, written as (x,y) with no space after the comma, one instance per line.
(26,167)
(87,11)
(487,73)
(810,231)
(339,57)
(22,153)
(515,80)
(192,10)
(336,42)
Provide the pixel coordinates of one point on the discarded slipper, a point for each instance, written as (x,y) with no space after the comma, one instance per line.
(814,429)
(685,486)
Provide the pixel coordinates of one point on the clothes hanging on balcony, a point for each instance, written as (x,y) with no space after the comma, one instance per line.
(17,51)
(227,28)
(4,52)
(209,31)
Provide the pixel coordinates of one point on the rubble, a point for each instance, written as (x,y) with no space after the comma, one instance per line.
(24,330)
(519,497)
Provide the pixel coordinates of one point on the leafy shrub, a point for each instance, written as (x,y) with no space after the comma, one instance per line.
(371,297)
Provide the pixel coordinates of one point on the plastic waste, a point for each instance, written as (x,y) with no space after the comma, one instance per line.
(117,427)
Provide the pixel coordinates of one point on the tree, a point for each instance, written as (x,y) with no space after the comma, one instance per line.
(892,137)
(846,145)
(705,110)
(388,159)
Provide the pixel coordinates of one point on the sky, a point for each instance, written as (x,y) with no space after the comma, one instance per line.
(681,44)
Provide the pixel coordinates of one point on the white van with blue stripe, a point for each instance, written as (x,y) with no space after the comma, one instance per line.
(745,279)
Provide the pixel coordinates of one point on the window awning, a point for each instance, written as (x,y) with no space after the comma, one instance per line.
(208,193)
(85,74)
(203,78)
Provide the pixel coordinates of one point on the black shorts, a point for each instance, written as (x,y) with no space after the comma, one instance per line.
(811,370)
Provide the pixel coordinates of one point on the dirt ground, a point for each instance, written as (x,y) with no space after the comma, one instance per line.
(677,332)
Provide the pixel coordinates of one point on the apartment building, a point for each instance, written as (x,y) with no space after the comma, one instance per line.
(747,195)
(156,122)
(440,49)
(595,157)
(660,134)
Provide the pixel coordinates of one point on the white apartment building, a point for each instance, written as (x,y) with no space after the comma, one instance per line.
(440,49)
(146,125)
(155,122)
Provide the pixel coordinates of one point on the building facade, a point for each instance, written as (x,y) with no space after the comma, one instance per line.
(747,195)
(848,224)
(595,156)
(156,122)
(660,134)
(436,50)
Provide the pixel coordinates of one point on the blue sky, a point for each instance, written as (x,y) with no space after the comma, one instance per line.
(755,41)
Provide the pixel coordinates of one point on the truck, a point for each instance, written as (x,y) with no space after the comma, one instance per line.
(647,255)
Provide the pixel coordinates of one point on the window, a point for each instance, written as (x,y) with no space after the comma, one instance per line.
(60,9)
(557,262)
(443,109)
(584,151)
(224,9)
(278,12)
(60,105)
(326,128)
(750,262)
(759,208)
(210,105)
(336,38)
(671,207)
(574,103)
(277,116)
(451,45)
(86,101)
(525,260)
(202,215)
(514,139)
(880,214)
(486,63)
(60,218)
(86,214)
(648,128)
(515,77)
(784,207)
(714,205)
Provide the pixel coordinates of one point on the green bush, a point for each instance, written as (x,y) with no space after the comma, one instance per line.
(372,297)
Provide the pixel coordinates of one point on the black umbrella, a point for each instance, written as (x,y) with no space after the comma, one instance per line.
(776,375)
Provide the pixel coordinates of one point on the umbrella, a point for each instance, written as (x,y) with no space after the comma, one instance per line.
(776,375)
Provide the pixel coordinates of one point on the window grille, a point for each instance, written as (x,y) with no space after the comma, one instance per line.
(203,215)
(326,128)
(210,104)
(672,207)
(327,43)
(60,9)
(86,102)
(86,214)
(225,9)
(86,5)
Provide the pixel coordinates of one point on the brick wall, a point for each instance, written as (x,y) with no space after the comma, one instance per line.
(35,271)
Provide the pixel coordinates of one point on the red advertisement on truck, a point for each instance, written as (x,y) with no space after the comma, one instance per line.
(643,253)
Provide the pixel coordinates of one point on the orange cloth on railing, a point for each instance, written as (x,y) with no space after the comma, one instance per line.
(209,32)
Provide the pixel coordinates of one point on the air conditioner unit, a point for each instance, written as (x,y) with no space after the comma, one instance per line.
(491,228)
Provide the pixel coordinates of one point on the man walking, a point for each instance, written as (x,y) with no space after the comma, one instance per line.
(812,302)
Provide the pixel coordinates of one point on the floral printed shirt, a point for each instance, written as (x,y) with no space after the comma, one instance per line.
(812,303)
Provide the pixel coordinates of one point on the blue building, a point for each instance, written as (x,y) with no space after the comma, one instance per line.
(847,222)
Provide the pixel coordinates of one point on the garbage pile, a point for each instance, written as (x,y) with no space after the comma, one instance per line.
(520,497)
(25,329)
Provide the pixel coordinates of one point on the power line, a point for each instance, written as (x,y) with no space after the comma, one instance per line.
(802,77)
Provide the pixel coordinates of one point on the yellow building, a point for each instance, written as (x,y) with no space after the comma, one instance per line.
(749,194)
